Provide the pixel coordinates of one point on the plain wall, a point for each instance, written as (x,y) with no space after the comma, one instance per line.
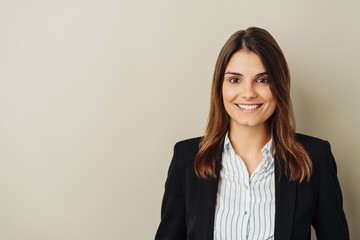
(94,95)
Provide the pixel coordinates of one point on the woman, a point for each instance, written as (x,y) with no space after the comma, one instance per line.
(251,176)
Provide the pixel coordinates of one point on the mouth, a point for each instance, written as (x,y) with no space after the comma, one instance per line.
(249,106)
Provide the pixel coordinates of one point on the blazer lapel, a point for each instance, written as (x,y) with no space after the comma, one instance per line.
(285,194)
(206,202)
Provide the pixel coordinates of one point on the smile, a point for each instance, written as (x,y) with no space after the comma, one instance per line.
(249,107)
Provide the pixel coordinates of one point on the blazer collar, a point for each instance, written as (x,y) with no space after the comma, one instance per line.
(285,194)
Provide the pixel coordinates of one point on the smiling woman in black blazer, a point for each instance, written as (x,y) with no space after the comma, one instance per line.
(251,176)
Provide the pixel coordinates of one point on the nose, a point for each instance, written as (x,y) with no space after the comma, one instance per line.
(248,90)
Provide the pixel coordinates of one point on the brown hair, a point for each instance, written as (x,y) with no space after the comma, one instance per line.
(289,151)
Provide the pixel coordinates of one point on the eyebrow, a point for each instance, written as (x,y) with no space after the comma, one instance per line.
(239,74)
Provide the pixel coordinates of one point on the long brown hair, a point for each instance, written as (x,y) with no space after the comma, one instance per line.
(290,153)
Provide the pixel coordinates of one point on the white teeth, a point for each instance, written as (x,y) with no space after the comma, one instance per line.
(248,107)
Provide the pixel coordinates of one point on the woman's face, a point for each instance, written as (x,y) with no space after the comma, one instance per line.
(246,91)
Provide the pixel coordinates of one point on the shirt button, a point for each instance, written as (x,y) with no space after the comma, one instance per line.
(246,187)
(245,213)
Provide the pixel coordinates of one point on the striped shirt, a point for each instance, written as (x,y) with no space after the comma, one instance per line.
(245,206)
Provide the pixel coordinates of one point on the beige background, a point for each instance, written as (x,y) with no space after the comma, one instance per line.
(94,94)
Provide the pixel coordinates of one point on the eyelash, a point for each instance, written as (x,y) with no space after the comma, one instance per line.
(264,80)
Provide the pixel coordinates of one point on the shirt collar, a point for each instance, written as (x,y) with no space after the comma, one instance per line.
(227,143)
(267,151)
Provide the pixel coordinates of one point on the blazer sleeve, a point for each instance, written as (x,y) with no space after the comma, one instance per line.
(329,220)
(172,225)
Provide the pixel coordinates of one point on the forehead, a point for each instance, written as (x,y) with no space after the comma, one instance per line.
(245,62)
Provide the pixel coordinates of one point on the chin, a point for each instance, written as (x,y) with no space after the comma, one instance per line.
(249,123)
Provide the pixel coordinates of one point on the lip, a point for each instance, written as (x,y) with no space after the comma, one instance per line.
(249,108)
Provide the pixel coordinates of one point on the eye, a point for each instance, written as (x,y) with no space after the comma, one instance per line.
(234,80)
(262,80)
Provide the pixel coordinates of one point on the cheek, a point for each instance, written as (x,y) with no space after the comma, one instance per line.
(227,96)
(267,95)
(270,99)
(228,93)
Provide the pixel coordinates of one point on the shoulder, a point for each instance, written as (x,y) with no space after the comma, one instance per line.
(191,142)
(188,146)
(310,142)
(185,151)
(318,149)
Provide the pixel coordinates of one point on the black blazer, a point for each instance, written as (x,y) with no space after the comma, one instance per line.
(188,207)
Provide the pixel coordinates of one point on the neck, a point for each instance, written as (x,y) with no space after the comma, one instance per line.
(248,140)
